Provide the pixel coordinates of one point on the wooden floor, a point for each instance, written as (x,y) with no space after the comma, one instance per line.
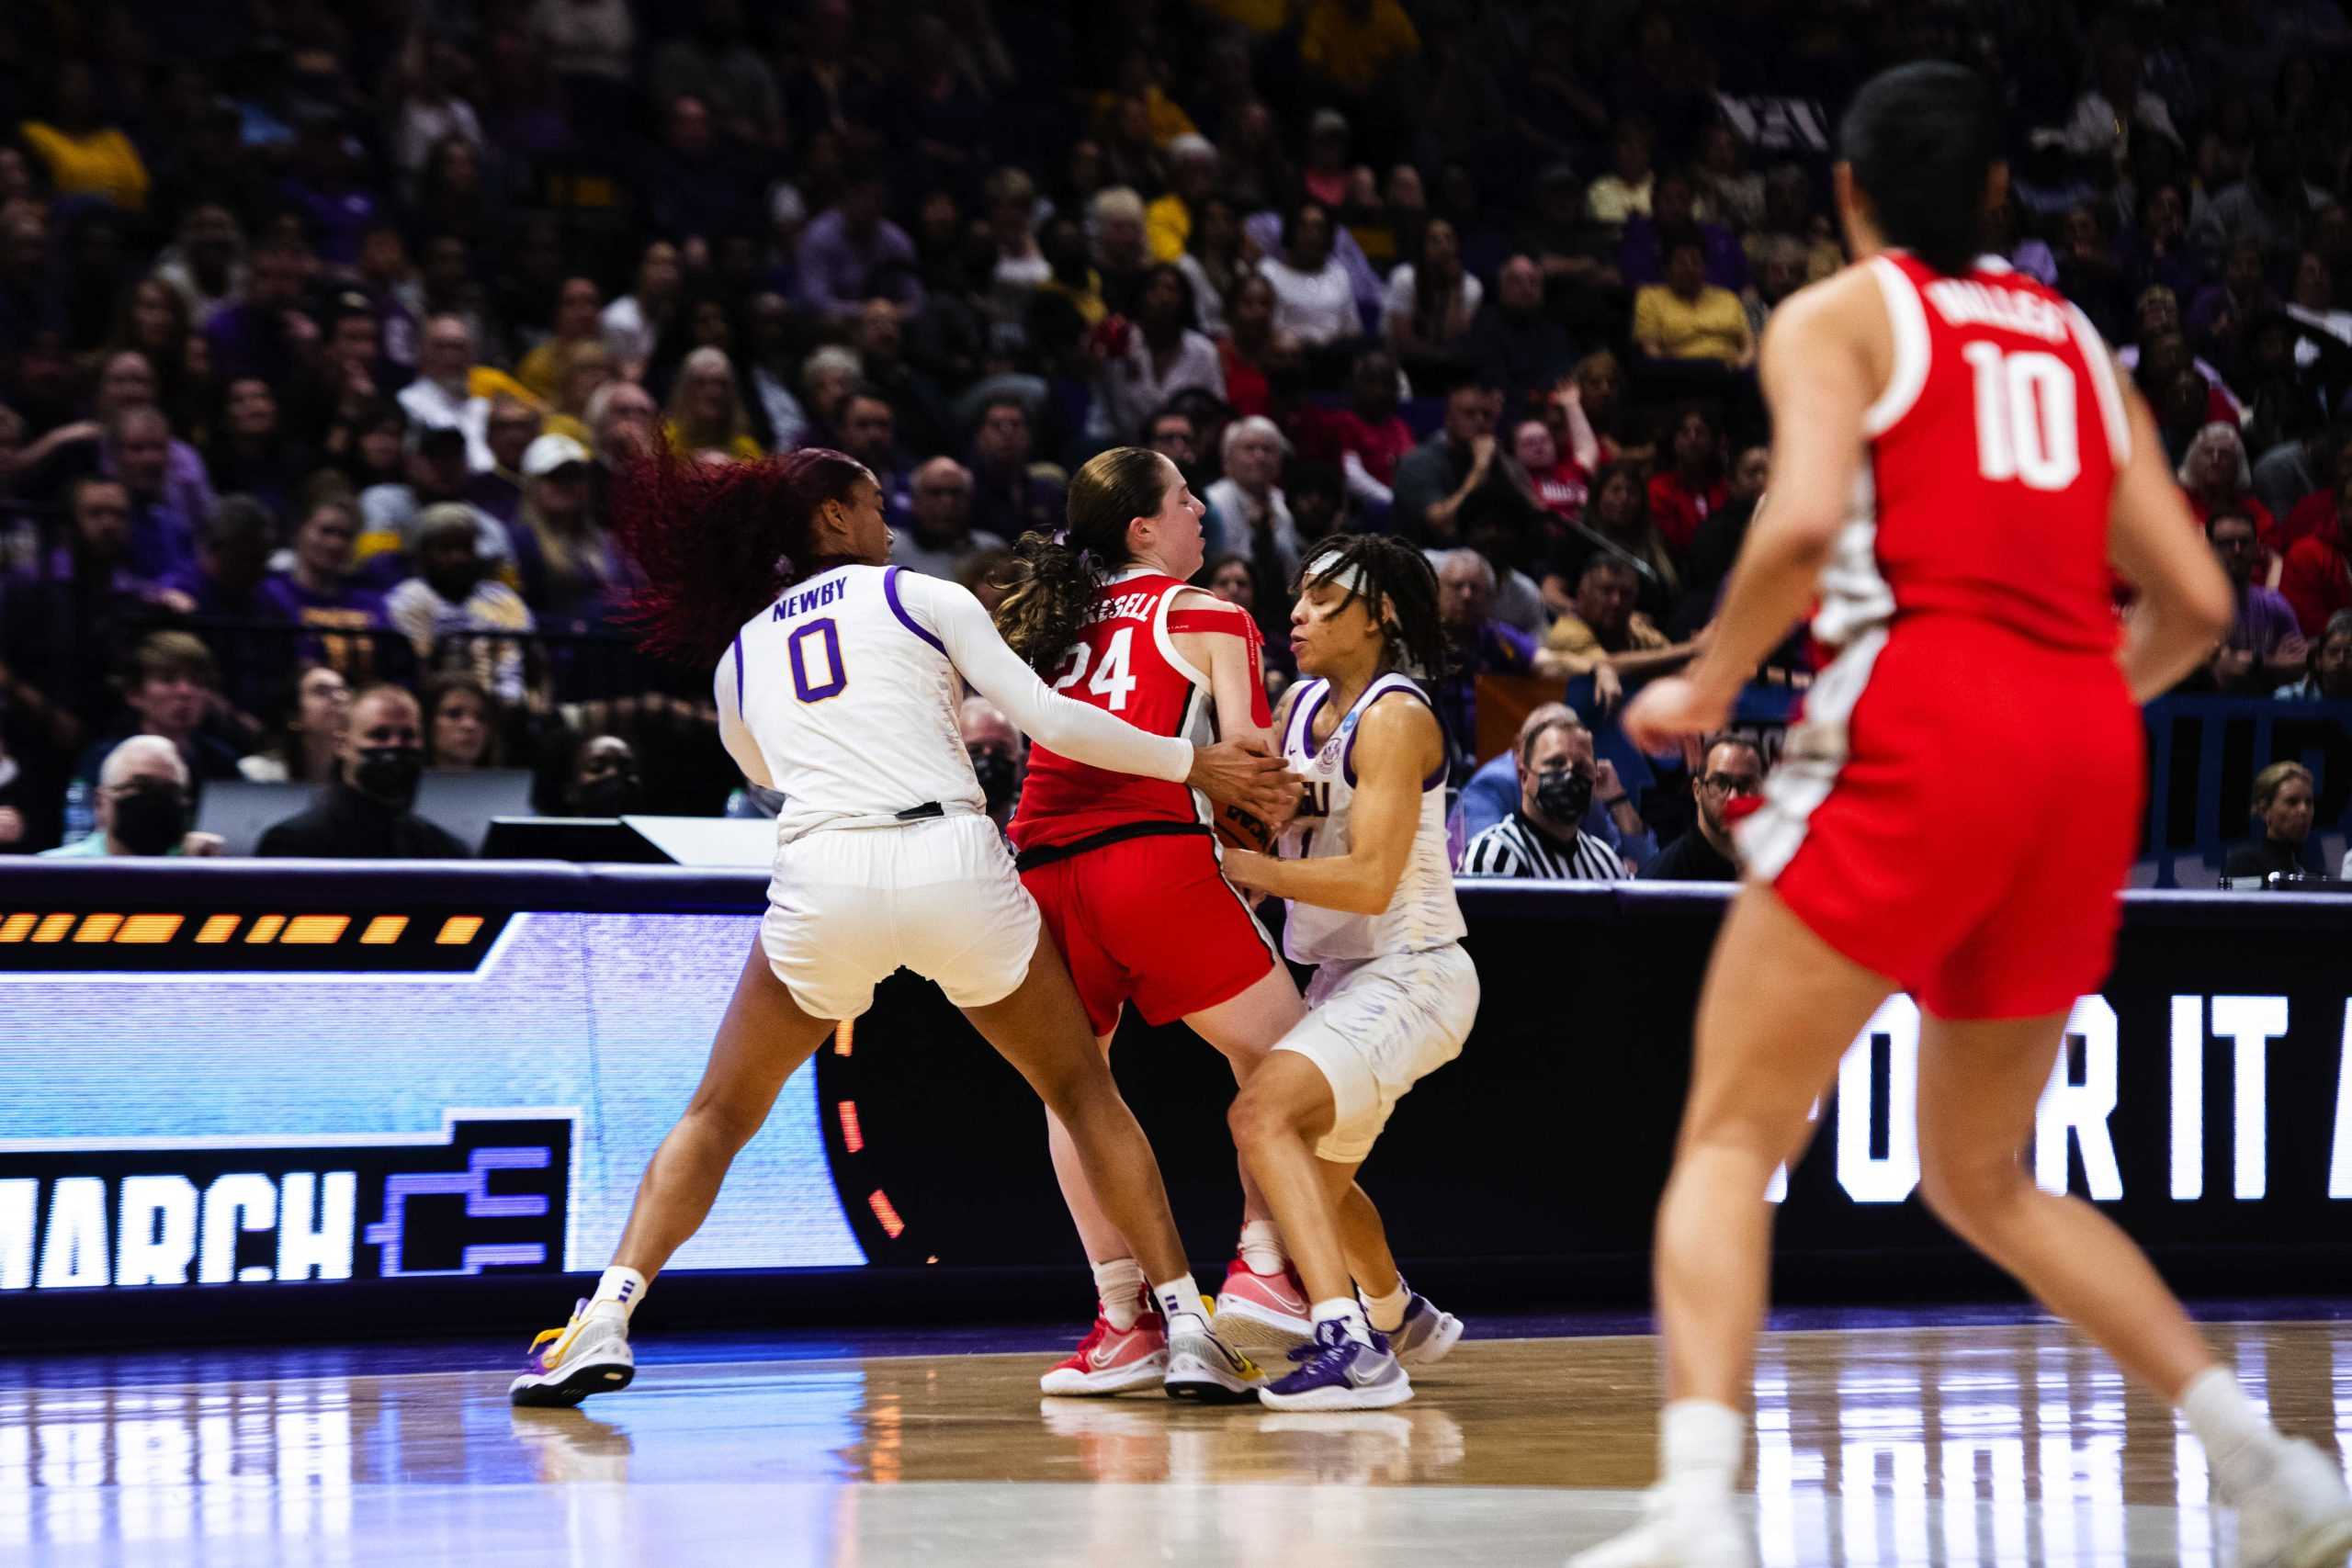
(1993,1445)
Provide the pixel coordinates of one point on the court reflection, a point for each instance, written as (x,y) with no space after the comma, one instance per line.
(1980,1445)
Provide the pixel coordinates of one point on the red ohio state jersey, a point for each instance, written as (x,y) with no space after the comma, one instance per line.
(1994,452)
(1126,662)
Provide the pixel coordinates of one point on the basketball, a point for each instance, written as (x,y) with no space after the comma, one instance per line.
(1239,829)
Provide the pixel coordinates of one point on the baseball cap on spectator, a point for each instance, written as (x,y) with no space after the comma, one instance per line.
(548,453)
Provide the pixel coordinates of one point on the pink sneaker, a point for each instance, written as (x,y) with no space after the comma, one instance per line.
(1113,1360)
(1264,1316)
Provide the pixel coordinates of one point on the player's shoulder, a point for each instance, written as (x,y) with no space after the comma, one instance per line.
(1188,599)
(1848,300)
(1400,716)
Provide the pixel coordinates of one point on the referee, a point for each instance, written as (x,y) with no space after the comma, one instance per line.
(1542,838)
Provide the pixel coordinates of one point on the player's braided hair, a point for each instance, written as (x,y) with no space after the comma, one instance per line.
(714,543)
(1388,571)
(1051,583)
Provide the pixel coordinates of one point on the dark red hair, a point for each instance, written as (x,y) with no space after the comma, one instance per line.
(715,543)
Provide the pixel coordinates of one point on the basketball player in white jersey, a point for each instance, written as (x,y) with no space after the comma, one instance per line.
(1365,867)
(841,691)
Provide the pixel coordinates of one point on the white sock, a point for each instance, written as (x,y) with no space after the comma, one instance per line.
(1179,1298)
(1118,1285)
(1343,1310)
(1261,1248)
(2226,1422)
(1387,1312)
(1701,1443)
(621,1290)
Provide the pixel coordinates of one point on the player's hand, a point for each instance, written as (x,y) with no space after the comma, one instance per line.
(1670,709)
(203,844)
(1234,774)
(1244,868)
(12,825)
(1605,783)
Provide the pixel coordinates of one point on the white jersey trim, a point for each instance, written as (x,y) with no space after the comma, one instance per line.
(1167,643)
(1816,752)
(1907,317)
(2102,366)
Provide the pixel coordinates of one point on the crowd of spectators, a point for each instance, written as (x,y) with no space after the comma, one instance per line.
(324,327)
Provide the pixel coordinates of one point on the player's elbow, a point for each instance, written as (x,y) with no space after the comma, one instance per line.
(2209,606)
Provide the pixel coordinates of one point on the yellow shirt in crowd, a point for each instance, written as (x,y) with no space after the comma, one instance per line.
(1714,326)
(103,163)
(1352,53)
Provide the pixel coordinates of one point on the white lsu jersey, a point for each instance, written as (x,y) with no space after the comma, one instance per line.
(1422,914)
(842,694)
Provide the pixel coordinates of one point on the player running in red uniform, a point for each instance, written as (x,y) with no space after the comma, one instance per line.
(1127,876)
(1955,463)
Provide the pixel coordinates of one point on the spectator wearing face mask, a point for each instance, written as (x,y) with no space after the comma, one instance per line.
(1732,771)
(603,779)
(1000,757)
(1543,838)
(450,600)
(142,807)
(1493,789)
(365,812)
(174,685)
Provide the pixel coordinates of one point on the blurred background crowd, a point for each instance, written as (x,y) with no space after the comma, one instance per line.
(324,327)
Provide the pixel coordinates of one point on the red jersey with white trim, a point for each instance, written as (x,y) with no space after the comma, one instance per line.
(1994,453)
(1126,662)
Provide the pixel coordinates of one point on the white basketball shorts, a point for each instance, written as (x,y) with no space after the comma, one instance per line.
(848,907)
(1378,1026)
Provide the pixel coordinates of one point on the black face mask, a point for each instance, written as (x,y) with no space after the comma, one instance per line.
(389,774)
(614,795)
(1564,796)
(149,817)
(999,778)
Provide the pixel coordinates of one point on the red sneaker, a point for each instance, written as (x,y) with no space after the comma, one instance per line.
(1263,1315)
(1113,1360)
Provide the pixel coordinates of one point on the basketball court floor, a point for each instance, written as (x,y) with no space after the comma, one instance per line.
(1984,1437)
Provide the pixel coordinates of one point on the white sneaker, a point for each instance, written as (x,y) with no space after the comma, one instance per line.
(2299,1515)
(588,1355)
(1685,1528)
(1202,1366)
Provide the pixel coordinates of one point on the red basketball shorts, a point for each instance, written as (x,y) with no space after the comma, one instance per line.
(1958,812)
(1153,921)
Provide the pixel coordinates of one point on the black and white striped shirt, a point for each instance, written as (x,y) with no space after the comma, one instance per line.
(1516,847)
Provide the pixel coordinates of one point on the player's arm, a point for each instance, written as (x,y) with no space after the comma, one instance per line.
(1224,772)
(2183,606)
(1223,639)
(1818,386)
(733,733)
(1397,745)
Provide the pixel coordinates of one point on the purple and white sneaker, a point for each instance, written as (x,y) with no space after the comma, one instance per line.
(1426,1335)
(588,1355)
(1336,1373)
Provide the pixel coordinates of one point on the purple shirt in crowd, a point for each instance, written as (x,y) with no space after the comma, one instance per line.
(349,608)
(836,270)
(2264,621)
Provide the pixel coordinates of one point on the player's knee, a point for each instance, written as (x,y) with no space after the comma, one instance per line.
(728,1125)
(1069,1087)
(1254,1119)
(1969,1193)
